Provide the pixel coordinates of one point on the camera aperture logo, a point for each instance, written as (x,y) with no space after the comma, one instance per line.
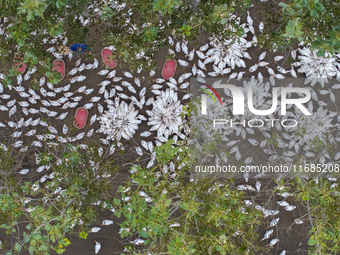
(238,105)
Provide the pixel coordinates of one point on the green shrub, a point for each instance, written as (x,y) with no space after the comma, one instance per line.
(314,22)
(40,218)
(176,215)
(322,201)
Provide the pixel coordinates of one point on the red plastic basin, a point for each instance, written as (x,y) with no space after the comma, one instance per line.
(107,56)
(80,118)
(59,66)
(169,69)
(19,65)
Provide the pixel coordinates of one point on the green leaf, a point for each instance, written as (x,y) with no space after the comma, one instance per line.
(83,235)
(31,249)
(312,242)
(294,29)
(143,234)
(165,6)
(47,227)
(17,247)
(150,34)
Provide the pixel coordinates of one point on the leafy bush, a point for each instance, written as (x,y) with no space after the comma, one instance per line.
(178,215)
(322,199)
(314,22)
(28,23)
(40,218)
